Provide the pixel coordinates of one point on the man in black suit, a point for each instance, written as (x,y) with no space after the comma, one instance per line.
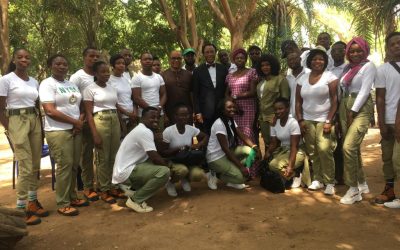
(208,88)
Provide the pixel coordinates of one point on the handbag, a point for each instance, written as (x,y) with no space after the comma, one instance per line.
(189,157)
(270,180)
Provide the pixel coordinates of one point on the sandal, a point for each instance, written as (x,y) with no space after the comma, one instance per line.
(90,195)
(105,196)
(68,211)
(117,193)
(79,203)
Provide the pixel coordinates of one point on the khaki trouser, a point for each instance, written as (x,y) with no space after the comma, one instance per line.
(280,160)
(26,137)
(126,126)
(230,173)
(265,128)
(396,158)
(147,178)
(66,150)
(320,147)
(353,137)
(108,128)
(181,171)
(87,157)
(389,155)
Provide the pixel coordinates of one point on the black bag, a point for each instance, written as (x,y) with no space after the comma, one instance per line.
(270,180)
(189,157)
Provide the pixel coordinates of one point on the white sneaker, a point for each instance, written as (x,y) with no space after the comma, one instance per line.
(212,180)
(330,189)
(236,186)
(296,182)
(140,208)
(186,185)
(363,188)
(171,190)
(315,185)
(392,204)
(352,195)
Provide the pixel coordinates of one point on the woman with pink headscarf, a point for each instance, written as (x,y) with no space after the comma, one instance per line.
(355,112)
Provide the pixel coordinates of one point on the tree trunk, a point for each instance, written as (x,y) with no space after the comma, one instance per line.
(4,36)
(236,39)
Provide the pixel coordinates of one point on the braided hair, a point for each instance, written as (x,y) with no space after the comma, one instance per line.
(228,122)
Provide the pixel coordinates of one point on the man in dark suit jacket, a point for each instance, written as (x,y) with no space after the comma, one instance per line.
(208,88)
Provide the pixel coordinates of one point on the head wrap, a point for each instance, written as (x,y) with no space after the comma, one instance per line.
(352,68)
(239,51)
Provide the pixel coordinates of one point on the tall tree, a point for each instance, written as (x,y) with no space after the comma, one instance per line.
(235,23)
(186,30)
(4,36)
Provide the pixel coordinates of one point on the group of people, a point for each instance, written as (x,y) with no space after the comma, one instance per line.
(152,129)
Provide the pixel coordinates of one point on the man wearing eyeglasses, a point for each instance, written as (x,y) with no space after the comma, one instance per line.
(178,84)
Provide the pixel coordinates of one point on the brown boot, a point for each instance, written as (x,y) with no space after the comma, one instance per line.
(117,193)
(32,219)
(90,194)
(106,196)
(36,208)
(386,195)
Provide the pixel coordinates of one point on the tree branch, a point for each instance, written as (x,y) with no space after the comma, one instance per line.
(192,23)
(218,12)
(228,13)
(182,29)
(168,15)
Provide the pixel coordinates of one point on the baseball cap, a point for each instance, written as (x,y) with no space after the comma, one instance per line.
(188,50)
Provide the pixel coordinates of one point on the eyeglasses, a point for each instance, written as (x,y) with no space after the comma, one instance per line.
(176,58)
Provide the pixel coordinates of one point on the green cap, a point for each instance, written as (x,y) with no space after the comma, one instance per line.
(188,50)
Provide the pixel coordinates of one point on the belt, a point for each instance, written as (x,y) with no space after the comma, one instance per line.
(22,111)
(348,94)
(108,111)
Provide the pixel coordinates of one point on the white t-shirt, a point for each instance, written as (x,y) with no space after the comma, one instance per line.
(316,100)
(150,87)
(283,133)
(175,139)
(132,151)
(124,91)
(362,84)
(81,79)
(66,98)
(103,98)
(388,78)
(292,80)
(19,93)
(338,71)
(214,150)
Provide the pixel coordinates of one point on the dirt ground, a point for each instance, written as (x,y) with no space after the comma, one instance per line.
(221,219)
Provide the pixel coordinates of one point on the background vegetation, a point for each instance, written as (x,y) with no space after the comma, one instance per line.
(46,27)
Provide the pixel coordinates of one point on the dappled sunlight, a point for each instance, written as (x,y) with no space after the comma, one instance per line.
(344,246)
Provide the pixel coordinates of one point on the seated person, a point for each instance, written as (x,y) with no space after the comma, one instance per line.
(222,150)
(284,147)
(177,138)
(138,162)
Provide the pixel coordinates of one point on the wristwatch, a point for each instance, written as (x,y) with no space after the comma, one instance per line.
(328,121)
(234,97)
